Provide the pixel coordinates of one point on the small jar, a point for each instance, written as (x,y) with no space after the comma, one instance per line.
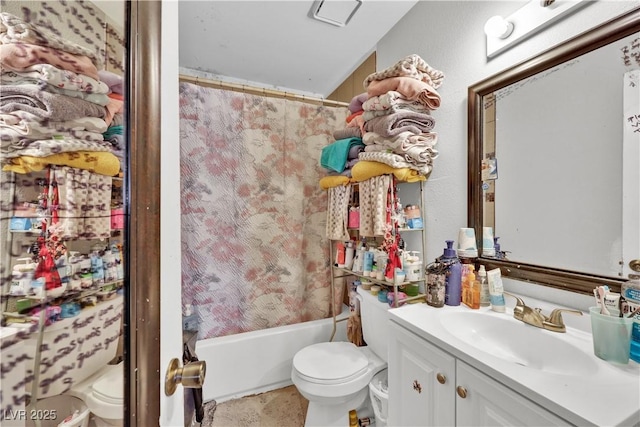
(412,211)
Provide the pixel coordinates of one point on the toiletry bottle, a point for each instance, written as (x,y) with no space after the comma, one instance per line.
(496,246)
(97,269)
(349,255)
(630,293)
(485,300)
(496,290)
(469,287)
(464,285)
(474,291)
(453,275)
(340,255)
(368,262)
(117,255)
(358,260)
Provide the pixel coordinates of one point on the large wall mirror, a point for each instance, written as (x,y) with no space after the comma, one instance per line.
(66,320)
(63,132)
(554,159)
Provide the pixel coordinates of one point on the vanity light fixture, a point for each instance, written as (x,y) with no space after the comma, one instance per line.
(502,33)
(334,12)
(498,27)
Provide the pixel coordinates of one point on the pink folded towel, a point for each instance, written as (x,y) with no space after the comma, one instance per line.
(410,88)
(20,56)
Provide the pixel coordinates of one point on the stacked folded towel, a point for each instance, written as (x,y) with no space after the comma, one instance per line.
(398,124)
(52,100)
(55,112)
(394,121)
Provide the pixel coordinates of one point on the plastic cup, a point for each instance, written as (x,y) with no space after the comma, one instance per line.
(611,335)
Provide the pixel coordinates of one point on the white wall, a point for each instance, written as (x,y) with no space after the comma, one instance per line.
(449,36)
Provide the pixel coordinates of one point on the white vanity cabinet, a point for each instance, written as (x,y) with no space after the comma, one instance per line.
(421,381)
(430,387)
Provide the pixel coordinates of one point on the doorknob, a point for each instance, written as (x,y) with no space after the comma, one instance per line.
(190,376)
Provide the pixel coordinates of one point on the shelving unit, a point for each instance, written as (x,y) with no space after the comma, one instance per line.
(16,242)
(414,238)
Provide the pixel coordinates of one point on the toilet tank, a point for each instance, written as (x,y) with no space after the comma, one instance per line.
(374,317)
(76,347)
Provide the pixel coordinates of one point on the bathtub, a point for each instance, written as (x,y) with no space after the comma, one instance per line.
(259,361)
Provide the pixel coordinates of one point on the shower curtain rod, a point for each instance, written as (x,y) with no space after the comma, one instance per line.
(260,91)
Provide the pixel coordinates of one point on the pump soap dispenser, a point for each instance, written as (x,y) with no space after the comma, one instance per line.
(453,275)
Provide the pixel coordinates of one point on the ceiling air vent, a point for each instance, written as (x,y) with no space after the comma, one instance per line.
(334,12)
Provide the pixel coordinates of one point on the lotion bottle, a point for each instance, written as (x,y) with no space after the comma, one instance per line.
(496,291)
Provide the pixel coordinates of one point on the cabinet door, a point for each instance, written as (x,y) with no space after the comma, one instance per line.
(489,403)
(421,381)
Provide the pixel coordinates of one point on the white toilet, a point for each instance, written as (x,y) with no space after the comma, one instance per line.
(103,393)
(334,376)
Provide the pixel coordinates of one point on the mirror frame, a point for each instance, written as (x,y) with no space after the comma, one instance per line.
(585,42)
(142,305)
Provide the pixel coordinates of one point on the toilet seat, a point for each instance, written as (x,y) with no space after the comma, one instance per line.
(330,363)
(110,387)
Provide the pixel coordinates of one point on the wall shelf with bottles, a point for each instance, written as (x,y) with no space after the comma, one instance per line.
(30,208)
(413,239)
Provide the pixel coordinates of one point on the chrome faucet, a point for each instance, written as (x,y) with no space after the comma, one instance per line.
(534,316)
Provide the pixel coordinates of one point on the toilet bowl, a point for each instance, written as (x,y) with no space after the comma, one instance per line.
(103,393)
(334,376)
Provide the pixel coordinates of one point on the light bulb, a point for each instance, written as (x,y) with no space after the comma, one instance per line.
(498,27)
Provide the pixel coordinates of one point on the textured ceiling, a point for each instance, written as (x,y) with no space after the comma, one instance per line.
(275,44)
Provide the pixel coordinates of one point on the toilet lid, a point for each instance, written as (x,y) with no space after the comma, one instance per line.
(110,387)
(330,362)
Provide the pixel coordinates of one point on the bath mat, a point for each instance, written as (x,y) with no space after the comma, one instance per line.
(209,410)
(284,407)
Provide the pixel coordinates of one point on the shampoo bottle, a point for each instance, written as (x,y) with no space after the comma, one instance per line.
(453,275)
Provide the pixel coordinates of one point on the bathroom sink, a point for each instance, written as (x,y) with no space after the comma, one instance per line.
(501,336)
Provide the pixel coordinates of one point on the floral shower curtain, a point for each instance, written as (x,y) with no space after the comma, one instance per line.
(254,250)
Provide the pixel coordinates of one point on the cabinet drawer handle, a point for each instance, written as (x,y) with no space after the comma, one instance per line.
(417,387)
(462,392)
(441,378)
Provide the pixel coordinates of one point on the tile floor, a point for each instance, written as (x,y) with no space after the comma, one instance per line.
(284,407)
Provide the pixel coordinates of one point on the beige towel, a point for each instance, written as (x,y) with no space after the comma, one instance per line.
(412,66)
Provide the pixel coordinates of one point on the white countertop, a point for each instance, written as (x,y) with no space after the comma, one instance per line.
(609,396)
